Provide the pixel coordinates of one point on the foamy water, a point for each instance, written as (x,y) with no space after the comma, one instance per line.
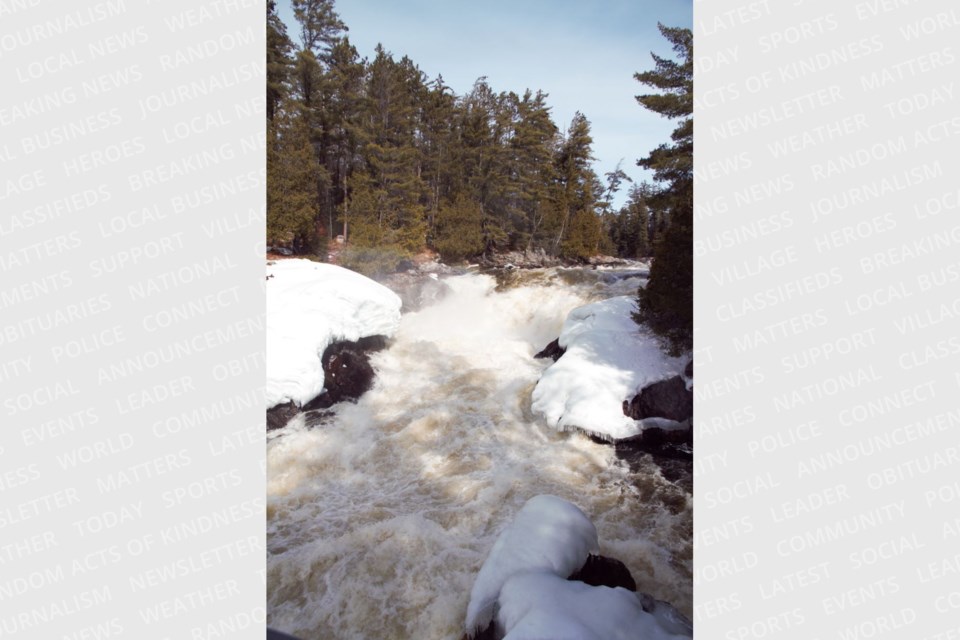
(378,522)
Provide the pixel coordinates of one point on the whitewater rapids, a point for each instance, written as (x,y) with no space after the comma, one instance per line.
(378,521)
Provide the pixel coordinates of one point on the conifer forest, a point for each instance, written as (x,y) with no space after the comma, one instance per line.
(392,162)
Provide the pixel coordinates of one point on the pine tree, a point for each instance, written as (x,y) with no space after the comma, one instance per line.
(578,228)
(292,177)
(279,48)
(320,26)
(459,232)
(532,147)
(387,193)
(320,30)
(399,163)
(635,220)
(611,222)
(439,147)
(343,133)
(615,180)
(484,126)
(666,304)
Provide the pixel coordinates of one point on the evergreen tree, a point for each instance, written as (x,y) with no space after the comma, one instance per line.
(279,48)
(292,177)
(343,136)
(399,163)
(320,26)
(320,30)
(610,221)
(615,180)
(632,229)
(576,222)
(532,147)
(480,162)
(459,231)
(438,143)
(387,192)
(666,304)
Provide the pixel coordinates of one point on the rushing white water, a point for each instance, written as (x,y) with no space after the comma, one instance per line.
(379,521)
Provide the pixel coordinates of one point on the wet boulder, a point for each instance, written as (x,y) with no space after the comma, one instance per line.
(347,373)
(666,410)
(552,350)
(318,418)
(280,415)
(668,399)
(527,259)
(600,571)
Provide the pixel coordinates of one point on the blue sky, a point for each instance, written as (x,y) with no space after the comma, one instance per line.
(583,53)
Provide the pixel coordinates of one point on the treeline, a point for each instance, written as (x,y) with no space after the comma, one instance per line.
(374,151)
(666,303)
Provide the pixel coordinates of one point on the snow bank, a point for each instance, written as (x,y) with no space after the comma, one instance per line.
(541,605)
(310,305)
(608,359)
(547,535)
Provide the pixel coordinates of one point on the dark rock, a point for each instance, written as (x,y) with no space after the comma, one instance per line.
(317,418)
(600,571)
(369,344)
(657,437)
(280,415)
(668,398)
(439,268)
(674,444)
(322,401)
(530,259)
(688,370)
(608,261)
(347,375)
(490,633)
(552,350)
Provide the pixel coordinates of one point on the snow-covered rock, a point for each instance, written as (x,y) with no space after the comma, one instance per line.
(607,360)
(309,306)
(539,605)
(606,572)
(668,398)
(528,585)
(549,535)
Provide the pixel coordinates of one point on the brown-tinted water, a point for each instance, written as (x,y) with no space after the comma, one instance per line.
(380,517)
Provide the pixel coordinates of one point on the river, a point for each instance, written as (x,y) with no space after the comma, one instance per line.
(378,520)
